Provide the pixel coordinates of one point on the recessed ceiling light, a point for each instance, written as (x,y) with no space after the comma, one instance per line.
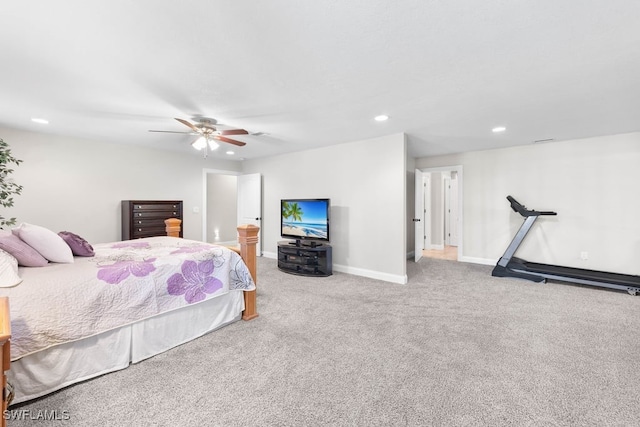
(41,121)
(498,129)
(381,118)
(231,153)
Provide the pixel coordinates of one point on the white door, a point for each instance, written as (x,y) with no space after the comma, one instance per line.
(453,203)
(446,188)
(250,203)
(418,218)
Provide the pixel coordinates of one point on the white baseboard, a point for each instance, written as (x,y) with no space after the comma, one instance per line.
(474,260)
(271,255)
(393,278)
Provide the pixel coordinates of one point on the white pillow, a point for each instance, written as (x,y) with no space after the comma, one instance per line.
(46,242)
(8,270)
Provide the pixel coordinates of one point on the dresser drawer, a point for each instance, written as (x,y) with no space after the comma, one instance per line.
(139,232)
(155,214)
(148,222)
(155,207)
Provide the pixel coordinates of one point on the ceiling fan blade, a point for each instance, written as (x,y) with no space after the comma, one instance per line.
(170,131)
(186,123)
(233,132)
(229,140)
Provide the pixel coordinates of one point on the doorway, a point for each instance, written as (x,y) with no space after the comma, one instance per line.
(221,209)
(440,202)
(229,199)
(220,200)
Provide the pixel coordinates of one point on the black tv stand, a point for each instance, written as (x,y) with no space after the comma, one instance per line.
(304,260)
(300,243)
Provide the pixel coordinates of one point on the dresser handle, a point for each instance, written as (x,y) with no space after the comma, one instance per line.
(139,214)
(139,229)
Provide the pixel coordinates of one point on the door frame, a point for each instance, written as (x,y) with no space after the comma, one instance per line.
(428,215)
(419,215)
(453,192)
(459,171)
(446,203)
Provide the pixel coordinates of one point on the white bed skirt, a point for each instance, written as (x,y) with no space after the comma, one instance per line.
(49,370)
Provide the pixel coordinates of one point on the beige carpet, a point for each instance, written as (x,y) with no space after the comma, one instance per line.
(454,347)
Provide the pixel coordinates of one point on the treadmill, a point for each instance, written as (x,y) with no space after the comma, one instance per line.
(511,266)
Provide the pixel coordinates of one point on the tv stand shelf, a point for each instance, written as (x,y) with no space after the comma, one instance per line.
(305,260)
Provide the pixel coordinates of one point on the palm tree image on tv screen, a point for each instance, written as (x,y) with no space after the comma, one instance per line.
(306,219)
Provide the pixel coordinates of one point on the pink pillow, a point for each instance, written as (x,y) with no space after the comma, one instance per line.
(46,242)
(25,254)
(78,245)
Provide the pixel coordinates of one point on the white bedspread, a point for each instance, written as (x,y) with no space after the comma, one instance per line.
(123,283)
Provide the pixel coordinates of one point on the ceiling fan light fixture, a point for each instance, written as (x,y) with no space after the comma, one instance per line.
(209,134)
(199,143)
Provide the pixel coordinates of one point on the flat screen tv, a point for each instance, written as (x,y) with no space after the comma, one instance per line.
(305,219)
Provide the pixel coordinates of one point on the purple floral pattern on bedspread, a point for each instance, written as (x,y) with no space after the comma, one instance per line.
(120,270)
(130,244)
(191,249)
(195,281)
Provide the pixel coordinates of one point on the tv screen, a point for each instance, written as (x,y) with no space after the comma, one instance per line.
(305,219)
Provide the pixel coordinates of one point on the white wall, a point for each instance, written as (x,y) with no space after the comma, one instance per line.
(366,182)
(591,183)
(77,185)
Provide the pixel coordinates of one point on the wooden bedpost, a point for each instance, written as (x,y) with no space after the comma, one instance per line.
(248,239)
(173,227)
(5,354)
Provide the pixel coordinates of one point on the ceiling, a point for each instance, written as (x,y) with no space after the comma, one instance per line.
(311,73)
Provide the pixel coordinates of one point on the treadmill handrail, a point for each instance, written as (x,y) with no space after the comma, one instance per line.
(522,210)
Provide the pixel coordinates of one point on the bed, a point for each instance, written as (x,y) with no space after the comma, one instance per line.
(130,301)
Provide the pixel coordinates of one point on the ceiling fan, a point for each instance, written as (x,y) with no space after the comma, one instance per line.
(208,133)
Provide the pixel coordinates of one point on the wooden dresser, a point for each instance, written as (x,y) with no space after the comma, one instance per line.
(145,218)
(5,354)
